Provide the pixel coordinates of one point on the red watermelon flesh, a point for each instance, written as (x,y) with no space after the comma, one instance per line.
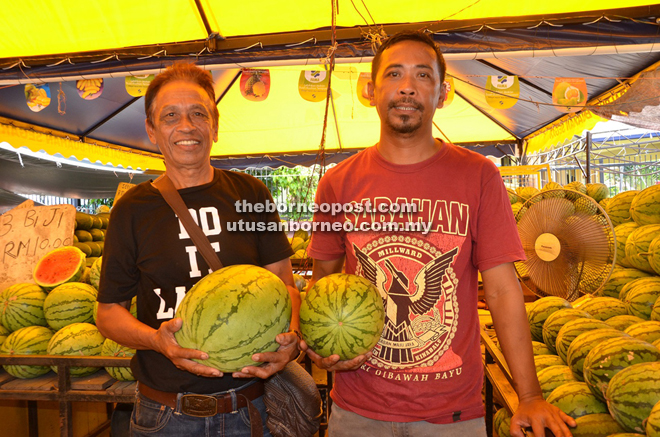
(66,264)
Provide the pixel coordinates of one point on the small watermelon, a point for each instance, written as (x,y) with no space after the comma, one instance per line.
(572,329)
(22,305)
(113,349)
(632,393)
(635,282)
(540,310)
(574,189)
(539,348)
(218,315)
(598,192)
(513,196)
(645,206)
(640,299)
(618,208)
(80,340)
(575,399)
(552,377)
(622,322)
(648,331)
(69,303)
(596,425)
(31,340)
(342,314)
(65,264)
(637,246)
(613,355)
(502,422)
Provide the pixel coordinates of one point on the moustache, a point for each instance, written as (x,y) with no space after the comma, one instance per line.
(406,102)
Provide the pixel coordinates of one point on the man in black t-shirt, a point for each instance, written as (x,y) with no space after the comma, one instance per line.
(149,254)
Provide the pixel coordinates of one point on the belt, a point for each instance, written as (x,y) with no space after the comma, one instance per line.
(201,405)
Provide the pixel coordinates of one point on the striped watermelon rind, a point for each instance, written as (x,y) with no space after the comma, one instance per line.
(645,206)
(583,344)
(652,427)
(571,330)
(539,348)
(653,255)
(543,361)
(622,232)
(111,348)
(648,331)
(575,399)
(603,308)
(640,300)
(77,339)
(4,333)
(637,246)
(622,322)
(540,310)
(59,266)
(618,208)
(502,418)
(69,303)
(655,311)
(613,355)
(552,377)
(596,425)
(95,272)
(598,191)
(218,315)
(619,278)
(556,321)
(22,305)
(629,286)
(342,315)
(632,393)
(31,340)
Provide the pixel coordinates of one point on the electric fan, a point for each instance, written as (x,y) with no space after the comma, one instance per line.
(569,242)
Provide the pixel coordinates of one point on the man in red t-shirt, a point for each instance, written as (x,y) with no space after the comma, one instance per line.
(453,219)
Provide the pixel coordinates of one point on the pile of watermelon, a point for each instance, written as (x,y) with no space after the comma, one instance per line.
(56,315)
(299,243)
(598,360)
(89,235)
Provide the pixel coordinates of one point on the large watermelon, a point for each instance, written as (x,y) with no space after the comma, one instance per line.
(575,399)
(640,299)
(648,331)
(233,313)
(598,192)
(653,422)
(65,264)
(645,206)
(95,273)
(622,322)
(80,340)
(619,278)
(634,283)
(653,255)
(552,377)
(603,308)
(540,310)
(637,246)
(113,349)
(572,329)
(342,314)
(556,321)
(69,303)
(622,232)
(22,305)
(632,393)
(596,425)
(31,340)
(584,343)
(618,208)
(613,355)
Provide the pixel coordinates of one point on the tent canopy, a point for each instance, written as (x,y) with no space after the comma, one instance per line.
(58,42)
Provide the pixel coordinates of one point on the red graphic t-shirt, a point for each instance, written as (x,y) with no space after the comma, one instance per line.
(454,218)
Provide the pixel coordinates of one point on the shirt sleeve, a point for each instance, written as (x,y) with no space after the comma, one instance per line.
(497,240)
(326,244)
(119,281)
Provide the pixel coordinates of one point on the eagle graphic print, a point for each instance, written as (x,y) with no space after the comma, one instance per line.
(415,277)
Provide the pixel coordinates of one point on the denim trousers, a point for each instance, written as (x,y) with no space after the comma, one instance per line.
(347,424)
(151,418)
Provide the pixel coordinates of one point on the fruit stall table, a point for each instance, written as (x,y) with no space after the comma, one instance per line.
(61,387)
(498,381)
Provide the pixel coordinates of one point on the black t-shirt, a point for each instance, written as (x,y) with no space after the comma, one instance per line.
(148,253)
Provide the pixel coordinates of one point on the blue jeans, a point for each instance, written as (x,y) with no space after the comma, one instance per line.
(151,418)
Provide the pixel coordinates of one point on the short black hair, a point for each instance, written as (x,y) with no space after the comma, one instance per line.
(409,35)
(181,71)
